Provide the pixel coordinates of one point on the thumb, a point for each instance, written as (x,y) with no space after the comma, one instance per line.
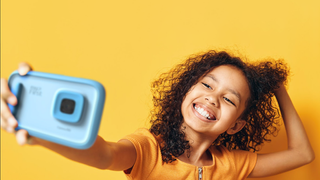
(23,137)
(24,68)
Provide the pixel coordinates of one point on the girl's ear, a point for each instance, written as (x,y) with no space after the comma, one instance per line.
(237,126)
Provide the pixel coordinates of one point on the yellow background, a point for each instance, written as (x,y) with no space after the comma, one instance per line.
(126,44)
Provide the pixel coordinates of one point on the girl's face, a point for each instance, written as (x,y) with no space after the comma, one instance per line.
(215,103)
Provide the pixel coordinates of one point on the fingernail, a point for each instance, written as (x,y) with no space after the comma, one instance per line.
(11,100)
(23,70)
(20,140)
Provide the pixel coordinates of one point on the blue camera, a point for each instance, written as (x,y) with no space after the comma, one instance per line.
(62,109)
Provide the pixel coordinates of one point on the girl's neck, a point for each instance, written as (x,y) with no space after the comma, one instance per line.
(198,154)
(196,158)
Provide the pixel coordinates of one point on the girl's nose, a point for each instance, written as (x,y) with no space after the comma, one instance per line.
(212,100)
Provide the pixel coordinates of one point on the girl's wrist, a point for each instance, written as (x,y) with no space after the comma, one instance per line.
(279,90)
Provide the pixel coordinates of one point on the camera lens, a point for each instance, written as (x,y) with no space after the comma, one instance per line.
(67,106)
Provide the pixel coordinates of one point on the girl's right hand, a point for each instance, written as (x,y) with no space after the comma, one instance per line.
(102,154)
(8,121)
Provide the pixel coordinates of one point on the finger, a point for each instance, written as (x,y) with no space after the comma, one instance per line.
(3,123)
(8,125)
(8,122)
(22,137)
(11,124)
(6,113)
(24,68)
(6,94)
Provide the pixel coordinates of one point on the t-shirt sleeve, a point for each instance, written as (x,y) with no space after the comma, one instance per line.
(244,161)
(147,150)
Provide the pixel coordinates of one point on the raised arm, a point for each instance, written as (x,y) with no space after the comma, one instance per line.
(102,155)
(299,151)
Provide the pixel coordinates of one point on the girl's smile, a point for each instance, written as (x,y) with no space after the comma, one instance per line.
(203,112)
(215,103)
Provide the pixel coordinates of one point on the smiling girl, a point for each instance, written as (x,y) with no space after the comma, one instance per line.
(210,115)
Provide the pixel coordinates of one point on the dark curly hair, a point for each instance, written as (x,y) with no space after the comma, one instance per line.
(261,112)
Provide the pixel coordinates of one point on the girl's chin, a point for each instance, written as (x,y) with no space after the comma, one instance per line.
(195,126)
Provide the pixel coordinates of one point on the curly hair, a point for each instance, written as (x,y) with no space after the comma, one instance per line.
(261,112)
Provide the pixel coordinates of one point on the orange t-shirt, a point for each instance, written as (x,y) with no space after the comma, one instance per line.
(227,165)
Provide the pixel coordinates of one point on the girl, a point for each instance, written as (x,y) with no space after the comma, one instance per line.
(210,115)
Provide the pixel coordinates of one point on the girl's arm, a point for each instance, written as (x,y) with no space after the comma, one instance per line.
(299,150)
(103,154)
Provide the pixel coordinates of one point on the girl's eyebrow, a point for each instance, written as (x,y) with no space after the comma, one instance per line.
(232,91)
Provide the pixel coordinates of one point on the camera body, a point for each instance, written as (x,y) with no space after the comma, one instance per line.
(62,109)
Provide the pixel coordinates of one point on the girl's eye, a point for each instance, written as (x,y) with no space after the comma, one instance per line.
(228,100)
(206,85)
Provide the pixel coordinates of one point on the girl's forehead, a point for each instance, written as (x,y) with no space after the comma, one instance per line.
(230,77)
(229,71)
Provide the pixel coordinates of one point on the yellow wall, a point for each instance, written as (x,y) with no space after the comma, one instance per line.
(126,44)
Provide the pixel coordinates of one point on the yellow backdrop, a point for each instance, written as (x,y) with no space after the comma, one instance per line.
(126,44)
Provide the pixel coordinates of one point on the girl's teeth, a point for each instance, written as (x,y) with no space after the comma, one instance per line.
(202,112)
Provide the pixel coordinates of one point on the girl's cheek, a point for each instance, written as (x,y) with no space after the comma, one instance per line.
(228,113)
